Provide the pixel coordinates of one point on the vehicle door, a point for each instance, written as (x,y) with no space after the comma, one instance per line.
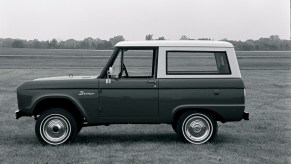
(130,90)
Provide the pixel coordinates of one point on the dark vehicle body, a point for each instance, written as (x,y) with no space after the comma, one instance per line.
(154,105)
(160,97)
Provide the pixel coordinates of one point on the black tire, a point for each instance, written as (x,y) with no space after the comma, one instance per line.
(174,126)
(79,128)
(196,127)
(56,126)
(79,124)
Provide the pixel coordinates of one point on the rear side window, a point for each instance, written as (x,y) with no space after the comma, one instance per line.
(189,62)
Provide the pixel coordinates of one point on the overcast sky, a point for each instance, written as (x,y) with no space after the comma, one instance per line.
(78,19)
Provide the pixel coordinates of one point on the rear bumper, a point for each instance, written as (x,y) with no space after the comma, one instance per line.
(246,116)
(19,114)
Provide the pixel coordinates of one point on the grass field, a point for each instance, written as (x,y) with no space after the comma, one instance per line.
(266,138)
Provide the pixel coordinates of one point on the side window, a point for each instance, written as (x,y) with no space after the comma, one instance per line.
(188,62)
(134,63)
(139,63)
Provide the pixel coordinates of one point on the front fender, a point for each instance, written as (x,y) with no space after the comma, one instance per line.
(86,104)
(60,96)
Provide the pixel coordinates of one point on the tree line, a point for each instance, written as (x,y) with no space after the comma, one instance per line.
(87,43)
(272,43)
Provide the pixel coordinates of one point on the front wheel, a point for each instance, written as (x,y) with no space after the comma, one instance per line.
(196,127)
(174,126)
(56,126)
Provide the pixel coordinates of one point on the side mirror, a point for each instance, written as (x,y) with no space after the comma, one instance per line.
(109,72)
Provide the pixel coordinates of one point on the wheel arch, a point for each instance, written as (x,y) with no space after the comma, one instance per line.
(178,111)
(68,103)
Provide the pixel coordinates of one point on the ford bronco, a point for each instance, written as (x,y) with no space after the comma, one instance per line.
(188,84)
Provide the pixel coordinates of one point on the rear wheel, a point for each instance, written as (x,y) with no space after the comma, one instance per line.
(79,128)
(56,126)
(196,127)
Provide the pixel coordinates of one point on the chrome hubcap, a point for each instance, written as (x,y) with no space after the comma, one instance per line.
(55,129)
(197,129)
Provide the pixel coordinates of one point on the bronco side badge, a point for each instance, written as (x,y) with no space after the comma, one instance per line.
(83,93)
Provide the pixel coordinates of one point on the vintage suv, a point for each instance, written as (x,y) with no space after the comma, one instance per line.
(188,84)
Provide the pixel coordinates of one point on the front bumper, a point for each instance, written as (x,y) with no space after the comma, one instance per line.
(246,116)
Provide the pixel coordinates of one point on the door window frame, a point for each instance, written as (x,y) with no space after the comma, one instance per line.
(118,49)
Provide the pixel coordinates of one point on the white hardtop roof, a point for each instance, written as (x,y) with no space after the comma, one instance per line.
(172,43)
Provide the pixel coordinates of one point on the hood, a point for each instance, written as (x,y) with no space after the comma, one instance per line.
(63,82)
(65,78)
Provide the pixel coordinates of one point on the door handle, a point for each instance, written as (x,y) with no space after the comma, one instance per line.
(216,92)
(152,81)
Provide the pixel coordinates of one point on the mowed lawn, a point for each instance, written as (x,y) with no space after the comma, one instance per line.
(266,138)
